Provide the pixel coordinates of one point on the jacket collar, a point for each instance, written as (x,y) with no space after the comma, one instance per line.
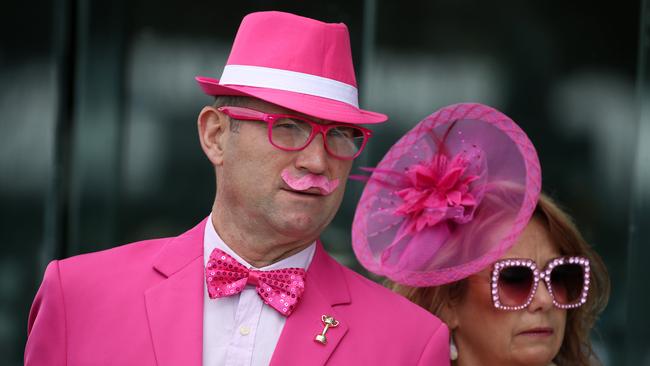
(175,305)
(325,288)
(181,250)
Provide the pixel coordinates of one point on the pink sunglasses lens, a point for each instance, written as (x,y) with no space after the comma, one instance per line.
(567,281)
(515,284)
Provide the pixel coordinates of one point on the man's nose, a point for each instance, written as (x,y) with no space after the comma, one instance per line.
(314,156)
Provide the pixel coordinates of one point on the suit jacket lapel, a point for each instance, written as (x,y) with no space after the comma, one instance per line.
(326,288)
(175,305)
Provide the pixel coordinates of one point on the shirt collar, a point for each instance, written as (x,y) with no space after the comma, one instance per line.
(212,240)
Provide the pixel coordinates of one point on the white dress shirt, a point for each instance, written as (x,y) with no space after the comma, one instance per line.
(241,329)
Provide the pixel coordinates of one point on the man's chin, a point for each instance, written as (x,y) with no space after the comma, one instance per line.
(302,226)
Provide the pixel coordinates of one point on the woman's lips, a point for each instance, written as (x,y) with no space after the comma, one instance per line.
(538,332)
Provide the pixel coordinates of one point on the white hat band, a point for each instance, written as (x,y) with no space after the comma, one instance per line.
(298,82)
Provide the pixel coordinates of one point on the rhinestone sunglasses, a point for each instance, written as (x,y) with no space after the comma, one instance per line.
(514,282)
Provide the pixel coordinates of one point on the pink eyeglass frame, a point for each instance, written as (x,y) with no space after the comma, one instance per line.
(247,114)
(545,275)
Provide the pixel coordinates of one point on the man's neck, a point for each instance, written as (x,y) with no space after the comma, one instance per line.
(257,248)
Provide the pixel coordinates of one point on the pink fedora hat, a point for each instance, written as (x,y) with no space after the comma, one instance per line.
(448,199)
(295,62)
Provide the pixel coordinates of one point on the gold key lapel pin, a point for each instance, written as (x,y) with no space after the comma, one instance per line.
(328,322)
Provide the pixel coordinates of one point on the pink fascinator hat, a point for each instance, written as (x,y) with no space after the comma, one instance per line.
(295,62)
(448,199)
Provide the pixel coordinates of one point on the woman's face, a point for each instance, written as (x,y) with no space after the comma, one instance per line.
(485,335)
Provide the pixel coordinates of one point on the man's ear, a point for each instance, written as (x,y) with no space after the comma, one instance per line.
(212,126)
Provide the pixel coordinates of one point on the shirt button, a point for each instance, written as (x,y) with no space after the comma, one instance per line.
(244,330)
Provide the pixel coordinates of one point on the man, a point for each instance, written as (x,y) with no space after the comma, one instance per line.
(251,284)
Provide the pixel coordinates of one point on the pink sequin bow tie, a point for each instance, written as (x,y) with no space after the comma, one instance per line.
(279,288)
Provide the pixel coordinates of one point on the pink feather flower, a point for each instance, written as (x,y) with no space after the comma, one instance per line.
(439,191)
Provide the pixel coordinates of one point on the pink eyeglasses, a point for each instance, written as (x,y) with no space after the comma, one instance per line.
(292,133)
(515,281)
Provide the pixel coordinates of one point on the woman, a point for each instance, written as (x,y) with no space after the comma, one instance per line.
(541,332)
(454,217)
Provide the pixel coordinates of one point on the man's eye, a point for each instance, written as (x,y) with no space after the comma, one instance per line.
(285,123)
(342,132)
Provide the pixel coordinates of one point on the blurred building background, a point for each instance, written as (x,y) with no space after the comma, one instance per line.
(98,106)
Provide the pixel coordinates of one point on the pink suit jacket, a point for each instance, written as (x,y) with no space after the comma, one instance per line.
(142,304)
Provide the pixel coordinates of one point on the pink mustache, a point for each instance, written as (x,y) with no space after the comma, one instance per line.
(309,180)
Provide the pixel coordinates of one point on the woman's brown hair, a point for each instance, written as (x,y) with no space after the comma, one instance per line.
(576,346)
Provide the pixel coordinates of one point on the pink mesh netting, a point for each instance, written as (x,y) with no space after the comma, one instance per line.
(448,199)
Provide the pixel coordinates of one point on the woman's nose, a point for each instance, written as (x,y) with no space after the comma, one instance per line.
(542,300)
